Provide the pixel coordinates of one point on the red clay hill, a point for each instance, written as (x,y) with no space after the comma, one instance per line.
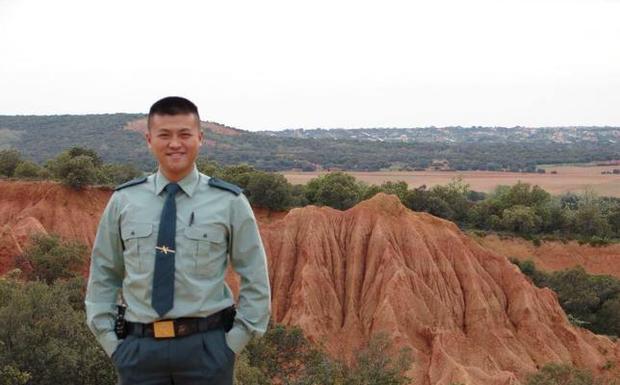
(467,313)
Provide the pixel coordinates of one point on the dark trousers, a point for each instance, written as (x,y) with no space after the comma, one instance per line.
(201,358)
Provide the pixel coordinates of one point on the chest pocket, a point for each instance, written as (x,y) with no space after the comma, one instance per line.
(139,244)
(209,246)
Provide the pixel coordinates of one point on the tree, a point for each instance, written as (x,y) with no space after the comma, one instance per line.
(238,174)
(454,194)
(417,199)
(336,189)
(398,188)
(74,152)
(588,219)
(78,172)
(76,167)
(9,160)
(521,220)
(269,190)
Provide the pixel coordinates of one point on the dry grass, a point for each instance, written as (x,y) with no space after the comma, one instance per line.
(568,178)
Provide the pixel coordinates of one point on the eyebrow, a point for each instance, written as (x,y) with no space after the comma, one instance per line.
(180,130)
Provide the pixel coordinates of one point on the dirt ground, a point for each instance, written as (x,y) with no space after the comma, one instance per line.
(568,178)
(556,255)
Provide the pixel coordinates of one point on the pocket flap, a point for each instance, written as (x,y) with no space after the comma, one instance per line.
(136,230)
(205,233)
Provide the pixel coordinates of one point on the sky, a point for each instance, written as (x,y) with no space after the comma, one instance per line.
(260,65)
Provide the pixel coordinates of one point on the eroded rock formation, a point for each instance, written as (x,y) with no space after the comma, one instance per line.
(468,314)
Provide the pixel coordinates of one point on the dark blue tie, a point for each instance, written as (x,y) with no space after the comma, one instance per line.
(163,277)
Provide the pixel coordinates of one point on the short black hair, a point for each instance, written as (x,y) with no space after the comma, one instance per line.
(173,105)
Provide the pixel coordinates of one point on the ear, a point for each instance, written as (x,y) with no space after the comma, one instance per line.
(147,136)
(200,137)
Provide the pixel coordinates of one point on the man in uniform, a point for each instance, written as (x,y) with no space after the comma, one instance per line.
(163,243)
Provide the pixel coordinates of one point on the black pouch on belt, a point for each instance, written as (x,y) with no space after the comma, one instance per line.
(120,325)
(229,317)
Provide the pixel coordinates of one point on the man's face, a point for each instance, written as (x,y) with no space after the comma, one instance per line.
(175,141)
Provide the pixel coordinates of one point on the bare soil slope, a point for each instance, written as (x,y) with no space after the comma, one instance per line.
(556,255)
(39,207)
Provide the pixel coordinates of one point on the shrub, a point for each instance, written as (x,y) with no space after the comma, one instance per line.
(562,374)
(285,356)
(27,169)
(50,259)
(9,160)
(336,189)
(520,219)
(76,167)
(45,338)
(78,172)
(115,174)
(269,190)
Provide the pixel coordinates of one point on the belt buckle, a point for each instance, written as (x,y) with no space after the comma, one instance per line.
(163,329)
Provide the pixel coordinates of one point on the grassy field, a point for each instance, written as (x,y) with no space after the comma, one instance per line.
(573,178)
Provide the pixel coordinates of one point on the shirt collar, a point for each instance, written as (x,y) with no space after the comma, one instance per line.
(187,184)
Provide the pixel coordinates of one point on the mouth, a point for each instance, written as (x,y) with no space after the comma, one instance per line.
(176,155)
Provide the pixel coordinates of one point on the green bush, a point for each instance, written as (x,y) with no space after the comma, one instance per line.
(45,338)
(76,167)
(285,356)
(50,259)
(208,167)
(10,375)
(239,174)
(521,220)
(28,170)
(9,160)
(78,172)
(269,190)
(375,365)
(563,374)
(115,174)
(336,189)
(590,301)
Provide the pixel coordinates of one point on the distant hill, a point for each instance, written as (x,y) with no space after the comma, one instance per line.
(119,138)
(458,134)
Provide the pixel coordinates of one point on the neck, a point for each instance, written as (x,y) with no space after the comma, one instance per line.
(175,177)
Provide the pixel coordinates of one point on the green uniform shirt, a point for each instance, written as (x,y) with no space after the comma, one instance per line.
(212,225)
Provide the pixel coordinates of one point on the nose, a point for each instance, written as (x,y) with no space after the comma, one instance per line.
(174,142)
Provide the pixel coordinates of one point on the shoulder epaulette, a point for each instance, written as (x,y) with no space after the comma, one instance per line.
(214,182)
(132,182)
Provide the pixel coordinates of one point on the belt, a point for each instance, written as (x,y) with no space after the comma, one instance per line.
(177,327)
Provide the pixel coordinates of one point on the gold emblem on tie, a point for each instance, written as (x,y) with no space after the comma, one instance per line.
(164,249)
